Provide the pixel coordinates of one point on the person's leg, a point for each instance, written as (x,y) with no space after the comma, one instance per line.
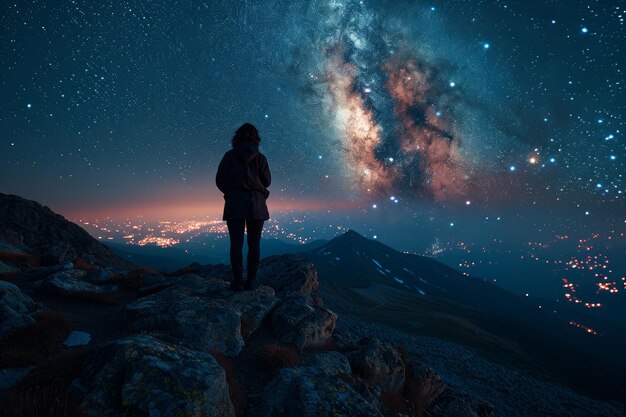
(255,228)
(235,232)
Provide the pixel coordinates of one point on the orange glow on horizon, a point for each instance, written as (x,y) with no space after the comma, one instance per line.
(158,210)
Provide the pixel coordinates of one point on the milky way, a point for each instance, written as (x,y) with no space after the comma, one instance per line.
(500,104)
(396,114)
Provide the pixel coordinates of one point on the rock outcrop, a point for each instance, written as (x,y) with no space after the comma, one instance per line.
(379,364)
(70,283)
(290,274)
(302,325)
(36,229)
(145,376)
(16,308)
(205,316)
(309,392)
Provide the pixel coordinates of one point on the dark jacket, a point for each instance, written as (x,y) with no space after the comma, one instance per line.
(243,176)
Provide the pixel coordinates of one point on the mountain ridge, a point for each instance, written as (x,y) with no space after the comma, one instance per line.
(105,340)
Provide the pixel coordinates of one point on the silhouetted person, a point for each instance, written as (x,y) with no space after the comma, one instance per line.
(243,176)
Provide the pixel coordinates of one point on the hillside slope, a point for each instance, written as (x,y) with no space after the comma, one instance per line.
(26,225)
(421,296)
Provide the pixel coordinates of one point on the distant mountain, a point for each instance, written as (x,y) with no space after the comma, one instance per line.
(419,295)
(205,250)
(167,259)
(28,226)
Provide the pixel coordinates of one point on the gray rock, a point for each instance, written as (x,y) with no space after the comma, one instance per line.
(142,375)
(43,271)
(77,338)
(330,363)
(290,273)
(346,340)
(206,316)
(378,363)
(99,275)
(70,283)
(308,392)
(430,383)
(9,377)
(15,308)
(4,267)
(152,282)
(301,325)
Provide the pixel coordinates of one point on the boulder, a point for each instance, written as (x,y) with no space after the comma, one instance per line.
(10,377)
(302,325)
(430,383)
(290,273)
(378,363)
(205,315)
(16,308)
(330,363)
(142,375)
(346,340)
(44,271)
(77,338)
(309,392)
(70,283)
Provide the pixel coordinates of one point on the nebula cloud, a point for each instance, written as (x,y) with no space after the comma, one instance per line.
(426,153)
(360,133)
(425,134)
(392,109)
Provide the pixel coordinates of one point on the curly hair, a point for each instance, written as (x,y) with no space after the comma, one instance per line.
(246,133)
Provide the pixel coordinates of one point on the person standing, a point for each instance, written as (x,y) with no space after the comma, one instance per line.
(243,176)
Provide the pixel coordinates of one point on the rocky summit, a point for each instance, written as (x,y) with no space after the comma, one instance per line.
(88,334)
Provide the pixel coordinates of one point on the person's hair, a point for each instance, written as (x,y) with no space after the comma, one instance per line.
(246,133)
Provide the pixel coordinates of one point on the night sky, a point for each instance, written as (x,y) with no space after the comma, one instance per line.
(388,109)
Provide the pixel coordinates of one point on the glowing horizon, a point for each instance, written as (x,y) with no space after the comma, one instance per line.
(192,208)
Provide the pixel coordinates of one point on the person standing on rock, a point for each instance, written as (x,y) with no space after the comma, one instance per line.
(243,176)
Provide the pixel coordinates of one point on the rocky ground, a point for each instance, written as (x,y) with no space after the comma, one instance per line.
(84,333)
(511,391)
(143,343)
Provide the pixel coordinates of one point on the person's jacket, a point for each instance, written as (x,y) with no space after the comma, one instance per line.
(243,176)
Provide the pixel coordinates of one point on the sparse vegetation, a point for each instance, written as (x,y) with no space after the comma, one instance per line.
(235,392)
(45,393)
(31,345)
(272,357)
(13,277)
(82,264)
(18,259)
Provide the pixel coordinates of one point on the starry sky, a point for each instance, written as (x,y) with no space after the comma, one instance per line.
(386,109)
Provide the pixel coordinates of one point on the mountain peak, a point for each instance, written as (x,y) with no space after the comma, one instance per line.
(353,234)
